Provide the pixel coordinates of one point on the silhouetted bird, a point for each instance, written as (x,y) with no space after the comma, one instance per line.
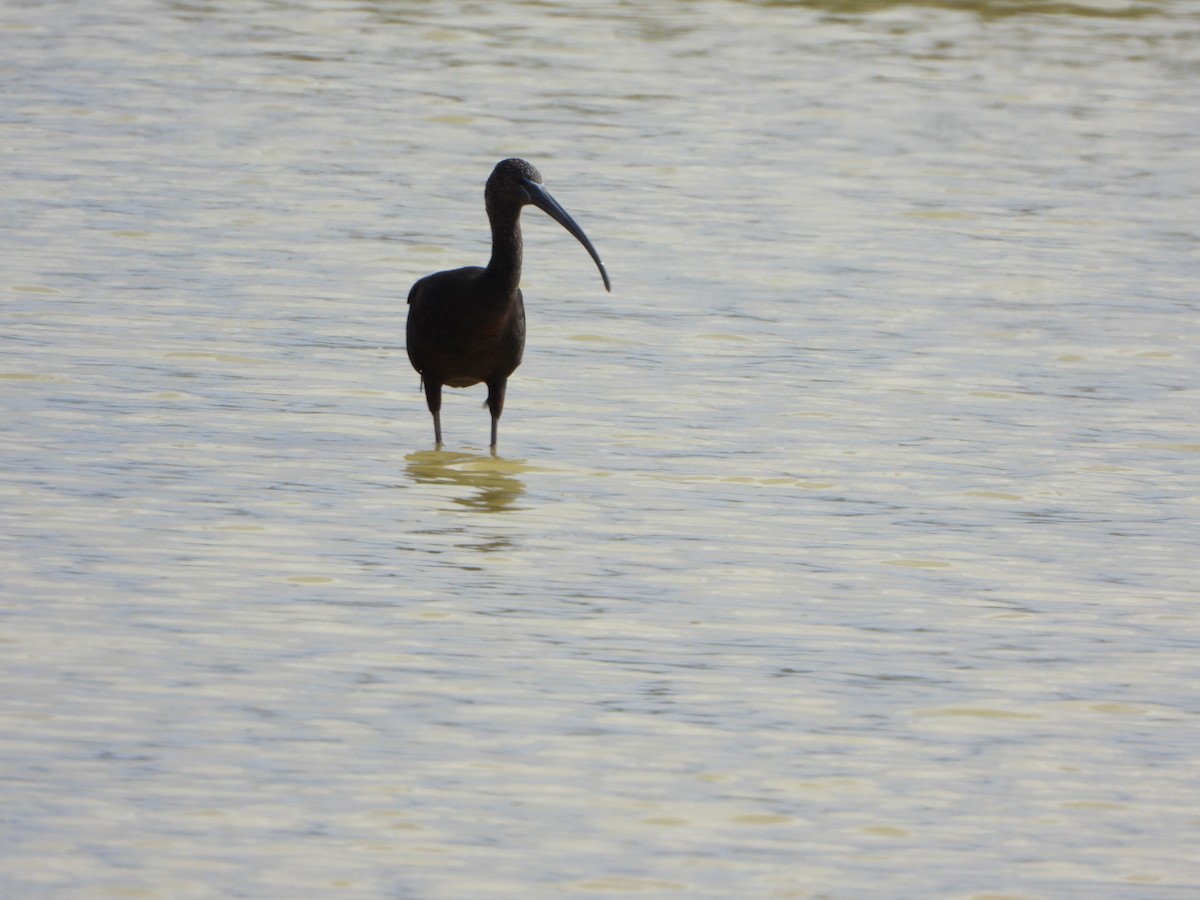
(468,325)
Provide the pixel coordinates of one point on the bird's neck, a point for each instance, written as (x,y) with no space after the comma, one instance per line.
(504,268)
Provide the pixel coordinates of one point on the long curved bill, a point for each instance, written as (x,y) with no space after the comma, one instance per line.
(541,198)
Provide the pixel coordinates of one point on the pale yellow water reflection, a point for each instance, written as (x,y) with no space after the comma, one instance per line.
(485,483)
(847,550)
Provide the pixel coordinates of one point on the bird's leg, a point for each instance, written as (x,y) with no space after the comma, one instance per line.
(433,397)
(495,404)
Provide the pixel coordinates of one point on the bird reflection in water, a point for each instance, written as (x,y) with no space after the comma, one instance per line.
(491,482)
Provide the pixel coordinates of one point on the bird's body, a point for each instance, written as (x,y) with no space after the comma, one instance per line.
(467,326)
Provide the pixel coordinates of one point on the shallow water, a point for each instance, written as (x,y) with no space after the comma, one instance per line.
(846,550)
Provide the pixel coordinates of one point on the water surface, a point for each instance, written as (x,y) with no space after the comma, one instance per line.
(846,550)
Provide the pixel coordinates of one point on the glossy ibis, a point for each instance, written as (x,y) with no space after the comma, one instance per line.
(468,325)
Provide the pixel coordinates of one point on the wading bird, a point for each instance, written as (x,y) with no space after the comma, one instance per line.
(468,325)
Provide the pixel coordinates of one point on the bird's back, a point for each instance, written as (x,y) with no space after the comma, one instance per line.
(460,334)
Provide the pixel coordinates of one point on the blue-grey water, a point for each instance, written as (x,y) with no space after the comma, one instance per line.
(847,550)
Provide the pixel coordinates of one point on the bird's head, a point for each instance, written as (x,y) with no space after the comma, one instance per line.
(515,183)
(510,180)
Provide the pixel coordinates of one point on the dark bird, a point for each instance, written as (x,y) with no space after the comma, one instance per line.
(468,325)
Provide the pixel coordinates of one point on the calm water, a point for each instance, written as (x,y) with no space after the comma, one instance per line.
(847,550)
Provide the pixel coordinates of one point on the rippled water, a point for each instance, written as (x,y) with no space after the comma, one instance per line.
(846,550)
